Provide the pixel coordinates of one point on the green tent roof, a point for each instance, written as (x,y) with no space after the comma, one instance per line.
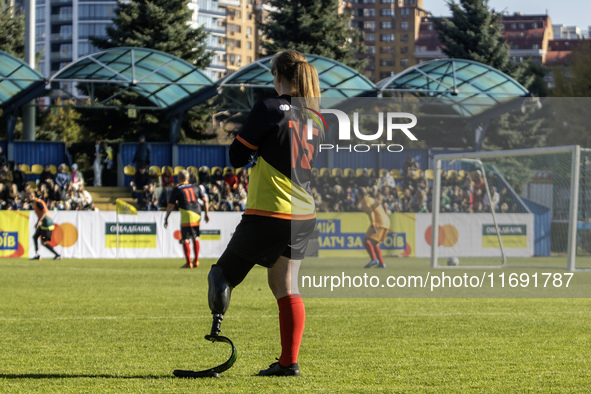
(469,87)
(17,79)
(336,79)
(163,79)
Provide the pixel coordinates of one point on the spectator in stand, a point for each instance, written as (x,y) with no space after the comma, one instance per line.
(365,179)
(8,190)
(217,177)
(193,176)
(151,198)
(348,204)
(495,200)
(419,202)
(335,198)
(478,187)
(56,194)
(326,184)
(68,196)
(387,180)
(456,198)
(108,162)
(81,199)
(410,168)
(140,183)
(240,197)
(231,179)
(142,153)
(76,177)
(46,174)
(3,159)
(466,183)
(62,178)
(154,175)
(204,177)
(228,197)
(349,180)
(49,186)
(389,198)
(42,192)
(445,178)
(445,201)
(453,179)
(467,201)
(215,199)
(421,184)
(243,178)
(405,201)
(504,198)
(19,178)
(478,208)
(97,165)
(317,198)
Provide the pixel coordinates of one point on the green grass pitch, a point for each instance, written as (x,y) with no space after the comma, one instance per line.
(123,326)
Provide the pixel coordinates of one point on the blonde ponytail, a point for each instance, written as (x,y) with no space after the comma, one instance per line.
(302,76)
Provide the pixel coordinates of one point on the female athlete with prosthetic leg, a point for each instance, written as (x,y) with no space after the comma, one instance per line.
(272,233)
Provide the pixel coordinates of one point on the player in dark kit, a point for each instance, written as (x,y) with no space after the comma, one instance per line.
(186,197)
(280,214)
(44,227)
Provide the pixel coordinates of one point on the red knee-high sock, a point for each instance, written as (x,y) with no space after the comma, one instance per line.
(370,249)
(196,248)
(379,253)
(187,250)
(292,318)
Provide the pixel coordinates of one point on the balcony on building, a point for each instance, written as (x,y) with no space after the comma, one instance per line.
(61,18)
(56,37)
(61,56)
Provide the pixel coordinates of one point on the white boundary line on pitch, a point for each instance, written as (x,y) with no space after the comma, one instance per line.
(275,316)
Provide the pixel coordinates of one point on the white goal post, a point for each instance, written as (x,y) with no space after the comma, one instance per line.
(571,168)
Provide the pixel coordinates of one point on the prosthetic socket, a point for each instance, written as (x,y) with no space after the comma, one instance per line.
(218,297)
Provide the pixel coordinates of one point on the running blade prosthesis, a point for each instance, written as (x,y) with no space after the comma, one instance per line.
(215,371)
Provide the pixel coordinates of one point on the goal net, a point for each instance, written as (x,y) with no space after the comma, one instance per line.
(496,208)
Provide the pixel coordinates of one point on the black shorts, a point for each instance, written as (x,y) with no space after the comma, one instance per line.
(262,240)
(189,232)
(44,234)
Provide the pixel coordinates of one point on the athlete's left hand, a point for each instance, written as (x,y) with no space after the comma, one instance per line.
(165,223)
(206,218)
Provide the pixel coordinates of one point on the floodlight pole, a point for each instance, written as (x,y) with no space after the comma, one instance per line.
(29,108)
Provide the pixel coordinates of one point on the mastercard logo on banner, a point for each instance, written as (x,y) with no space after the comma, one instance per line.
(64,235)
(448,235)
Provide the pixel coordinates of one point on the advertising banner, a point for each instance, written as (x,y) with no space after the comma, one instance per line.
(474,235)
(14,233)
(342,234)
(94,235)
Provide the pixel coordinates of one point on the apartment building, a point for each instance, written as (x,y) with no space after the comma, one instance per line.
(389,29)
(240,33)
(527,35)
(63,28)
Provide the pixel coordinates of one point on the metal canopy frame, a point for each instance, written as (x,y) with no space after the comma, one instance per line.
(475,91)
(164,80)
(19,84)
(336,81)
(456,83)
